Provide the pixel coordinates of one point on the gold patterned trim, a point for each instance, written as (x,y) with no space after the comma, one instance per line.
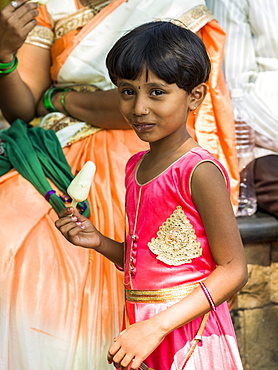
(176,243)
(85,131)
(196,18)
(98,4)
(79,19)
(72,22)
(40,36)
(58,122)
(160,295)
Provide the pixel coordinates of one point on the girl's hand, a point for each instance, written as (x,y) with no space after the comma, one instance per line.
(77,229)
(15,24)
(135,344)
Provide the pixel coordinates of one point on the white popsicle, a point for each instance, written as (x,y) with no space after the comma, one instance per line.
(79,188)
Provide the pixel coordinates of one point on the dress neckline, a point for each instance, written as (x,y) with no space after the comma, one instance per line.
(162,172)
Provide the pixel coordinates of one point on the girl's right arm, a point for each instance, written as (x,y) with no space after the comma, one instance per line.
(79,230)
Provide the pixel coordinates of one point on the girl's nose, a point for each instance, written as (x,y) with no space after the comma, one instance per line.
(140,108)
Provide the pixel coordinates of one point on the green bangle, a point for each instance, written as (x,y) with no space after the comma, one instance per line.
(63,101)
(47,99)
(8,65)
(12,68)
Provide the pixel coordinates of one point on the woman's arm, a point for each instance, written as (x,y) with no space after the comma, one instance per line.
(21,94)
(21,89)
(99,108)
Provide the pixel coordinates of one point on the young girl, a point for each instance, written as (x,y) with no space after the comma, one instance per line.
(183,256)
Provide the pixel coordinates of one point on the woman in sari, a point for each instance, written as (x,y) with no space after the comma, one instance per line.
(56,299)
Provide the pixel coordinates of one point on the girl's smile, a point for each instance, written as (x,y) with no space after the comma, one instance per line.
(142,126)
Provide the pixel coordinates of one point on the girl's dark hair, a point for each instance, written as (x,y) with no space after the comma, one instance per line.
(173,53)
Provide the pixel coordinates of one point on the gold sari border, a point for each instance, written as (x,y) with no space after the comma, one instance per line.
(196,18)
(72,22)
(160,295)
(40,36)
(80,18)
(84,132)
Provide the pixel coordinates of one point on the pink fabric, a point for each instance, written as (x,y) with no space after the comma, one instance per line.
(159,198)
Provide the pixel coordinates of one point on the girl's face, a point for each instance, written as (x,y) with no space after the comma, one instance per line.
(154,108)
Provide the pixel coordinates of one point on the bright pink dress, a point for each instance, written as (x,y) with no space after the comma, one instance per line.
(169,249)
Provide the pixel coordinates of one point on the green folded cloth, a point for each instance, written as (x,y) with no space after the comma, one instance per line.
(37,155)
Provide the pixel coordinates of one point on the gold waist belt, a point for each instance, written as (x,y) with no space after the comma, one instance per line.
(160,295)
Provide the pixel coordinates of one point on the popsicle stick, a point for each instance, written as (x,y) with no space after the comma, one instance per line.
(74,203)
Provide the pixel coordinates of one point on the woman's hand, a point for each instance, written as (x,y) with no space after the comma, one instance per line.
(77,229)
(40,108)
(135,344)
(15,24)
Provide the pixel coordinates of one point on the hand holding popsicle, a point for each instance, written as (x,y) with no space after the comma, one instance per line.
(79,188)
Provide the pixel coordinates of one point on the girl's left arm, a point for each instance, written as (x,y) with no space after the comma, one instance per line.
(211,198)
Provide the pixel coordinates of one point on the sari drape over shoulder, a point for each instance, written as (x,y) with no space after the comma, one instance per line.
(61,305)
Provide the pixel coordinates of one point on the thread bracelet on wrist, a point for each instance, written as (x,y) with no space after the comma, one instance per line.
(208,296)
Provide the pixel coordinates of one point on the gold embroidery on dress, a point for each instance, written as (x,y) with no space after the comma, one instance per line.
(40,36)
(176,243)
(196,18)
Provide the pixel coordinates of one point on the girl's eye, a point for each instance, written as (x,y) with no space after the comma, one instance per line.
(157,92)
(128,92)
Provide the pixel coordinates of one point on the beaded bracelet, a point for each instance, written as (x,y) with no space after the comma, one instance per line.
(47,99)
(208,296)
(6,68)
